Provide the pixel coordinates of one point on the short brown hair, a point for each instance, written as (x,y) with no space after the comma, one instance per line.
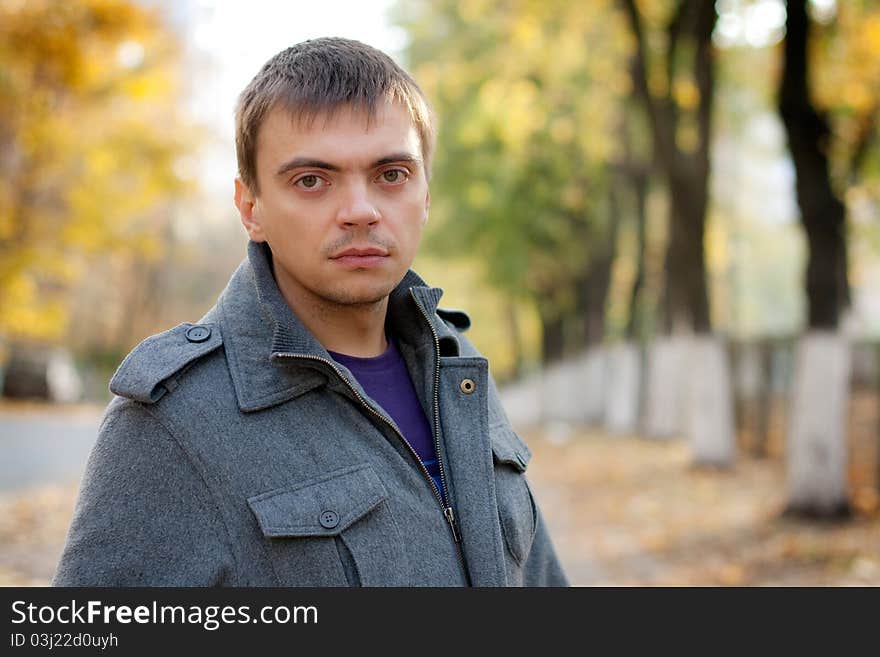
(322,75)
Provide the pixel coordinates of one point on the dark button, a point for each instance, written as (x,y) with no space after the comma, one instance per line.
(198,333)
(467,386)
(521,459)
(329,519)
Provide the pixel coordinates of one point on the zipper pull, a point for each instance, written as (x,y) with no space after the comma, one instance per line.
(450,518)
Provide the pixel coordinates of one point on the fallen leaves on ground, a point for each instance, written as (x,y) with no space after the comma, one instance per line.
(33,526)
(627,511)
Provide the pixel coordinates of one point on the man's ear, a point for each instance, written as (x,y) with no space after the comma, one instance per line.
(245,201)
(427,206)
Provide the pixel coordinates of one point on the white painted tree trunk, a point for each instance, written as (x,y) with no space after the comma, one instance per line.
(622,399)
(556,392)
(573,390)
(664,393)
(596,370)
(65,383)
(522,402)
(817,448)
(709,407)
(747,374)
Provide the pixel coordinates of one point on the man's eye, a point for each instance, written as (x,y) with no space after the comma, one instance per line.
(310,181)
(393,176)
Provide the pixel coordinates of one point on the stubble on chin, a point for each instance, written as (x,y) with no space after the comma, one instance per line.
(352,297)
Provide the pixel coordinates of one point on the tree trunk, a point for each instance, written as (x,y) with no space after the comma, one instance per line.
(622,403)
(817,448)
(635,319)
(816,463)
(516,343)
(552,336)
(823,215)
(596,291)
(760,446)
(666,386)
(709,423)
(685,164)
(593,288)
(685,299)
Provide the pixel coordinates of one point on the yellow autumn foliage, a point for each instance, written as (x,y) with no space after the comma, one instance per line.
(89,135)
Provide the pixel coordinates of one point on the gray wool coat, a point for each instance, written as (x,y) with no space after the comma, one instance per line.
(238,453)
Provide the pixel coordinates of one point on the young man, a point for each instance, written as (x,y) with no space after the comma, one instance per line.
(325,423)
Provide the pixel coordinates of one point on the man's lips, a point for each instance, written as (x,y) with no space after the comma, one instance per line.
(360,257)
(354,251)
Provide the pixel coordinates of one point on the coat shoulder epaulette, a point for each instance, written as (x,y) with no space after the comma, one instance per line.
(458,318)
(151,369)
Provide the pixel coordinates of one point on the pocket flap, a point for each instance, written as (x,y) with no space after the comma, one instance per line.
(509,448)
(323,506)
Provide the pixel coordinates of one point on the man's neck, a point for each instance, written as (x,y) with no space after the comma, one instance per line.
(351,329)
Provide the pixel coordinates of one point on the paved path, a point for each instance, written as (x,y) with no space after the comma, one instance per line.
(43,446)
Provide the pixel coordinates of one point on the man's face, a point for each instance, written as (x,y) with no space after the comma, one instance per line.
(342,203)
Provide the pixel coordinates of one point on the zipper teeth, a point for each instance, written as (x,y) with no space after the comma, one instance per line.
(381,417)
(436,398)
(458,543)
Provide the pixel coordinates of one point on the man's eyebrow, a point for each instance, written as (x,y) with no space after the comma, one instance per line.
(397,157)
(313,163)
(310,162)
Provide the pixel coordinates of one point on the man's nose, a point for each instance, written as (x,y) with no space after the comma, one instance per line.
(357,208)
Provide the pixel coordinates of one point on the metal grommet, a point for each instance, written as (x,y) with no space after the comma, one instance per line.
(467,386)
(198,333)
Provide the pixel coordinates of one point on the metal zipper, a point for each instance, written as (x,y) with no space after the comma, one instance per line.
(448,513)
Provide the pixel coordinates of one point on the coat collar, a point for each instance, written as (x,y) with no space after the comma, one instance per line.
(261,332)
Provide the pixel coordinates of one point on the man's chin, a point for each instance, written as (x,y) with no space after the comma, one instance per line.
(358,295)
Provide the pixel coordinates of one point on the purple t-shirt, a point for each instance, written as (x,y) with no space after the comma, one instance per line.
(386,379)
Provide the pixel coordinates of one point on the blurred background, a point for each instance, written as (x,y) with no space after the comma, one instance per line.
(663,217)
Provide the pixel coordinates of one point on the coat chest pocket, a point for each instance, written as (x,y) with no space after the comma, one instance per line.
(332,530)
(516,506)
